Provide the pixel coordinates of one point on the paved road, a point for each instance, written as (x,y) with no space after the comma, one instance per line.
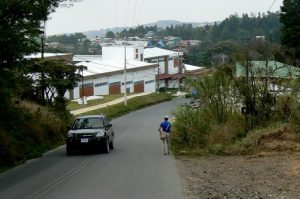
(135,169)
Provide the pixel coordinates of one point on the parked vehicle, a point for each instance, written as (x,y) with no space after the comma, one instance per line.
(92,132)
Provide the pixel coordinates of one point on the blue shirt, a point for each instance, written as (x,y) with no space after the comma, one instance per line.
(166,126)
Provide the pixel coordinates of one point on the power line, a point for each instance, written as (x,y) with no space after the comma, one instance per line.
(134,12)
(272,5)
(263,19)
(140,11)
(117,13)
(127,13)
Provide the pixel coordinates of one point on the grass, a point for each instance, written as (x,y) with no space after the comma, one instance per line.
(107,98)
(276,137)
(132,105)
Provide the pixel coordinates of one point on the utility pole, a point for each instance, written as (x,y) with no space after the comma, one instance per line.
(179,65)
(82,87)
(125,85)
(157,80)
(43,62)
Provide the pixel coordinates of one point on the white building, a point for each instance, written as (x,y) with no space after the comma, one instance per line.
(148,69)
(105,75)
(170,70)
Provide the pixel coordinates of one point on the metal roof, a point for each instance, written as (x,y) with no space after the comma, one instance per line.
(192,67)
(107,66)
(273,69)
(159,52)
(39,55)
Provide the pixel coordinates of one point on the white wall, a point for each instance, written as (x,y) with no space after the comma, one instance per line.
(115,52)
(172,69)
(118,52)
(103,89)
(147,75)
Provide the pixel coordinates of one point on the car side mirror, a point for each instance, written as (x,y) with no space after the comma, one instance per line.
(69,127)
(108,126)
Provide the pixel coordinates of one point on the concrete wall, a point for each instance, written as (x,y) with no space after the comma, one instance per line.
(101,84)
(118,52)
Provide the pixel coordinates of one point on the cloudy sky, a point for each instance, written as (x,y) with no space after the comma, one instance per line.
(96,14)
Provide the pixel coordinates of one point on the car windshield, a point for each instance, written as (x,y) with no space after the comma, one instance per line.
(88,123)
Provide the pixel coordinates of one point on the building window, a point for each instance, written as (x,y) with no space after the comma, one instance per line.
(127,83)
(149,82)
(87,85)
(101,84)
(139,82)
(142,57)
(115,83)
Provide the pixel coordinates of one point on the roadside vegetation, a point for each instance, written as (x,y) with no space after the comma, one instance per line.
(250,105)
(132,105)
(40,128)
(257,111)
(74,105)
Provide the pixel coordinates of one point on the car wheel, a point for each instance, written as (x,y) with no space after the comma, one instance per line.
(69,150)
(111,145)
(106,146)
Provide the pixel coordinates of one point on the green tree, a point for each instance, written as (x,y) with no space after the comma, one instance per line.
(20,26)
(290,32)
(110,34)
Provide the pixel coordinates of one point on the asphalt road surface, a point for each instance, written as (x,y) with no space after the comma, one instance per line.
(135,169)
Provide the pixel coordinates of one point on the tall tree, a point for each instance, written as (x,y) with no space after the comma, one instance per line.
(110,34)
(20,26)
(290,32)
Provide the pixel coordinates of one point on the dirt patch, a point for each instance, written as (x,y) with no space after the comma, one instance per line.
(261,176)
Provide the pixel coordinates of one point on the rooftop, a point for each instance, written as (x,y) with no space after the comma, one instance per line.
(159,52)
(272,69)
(105,66)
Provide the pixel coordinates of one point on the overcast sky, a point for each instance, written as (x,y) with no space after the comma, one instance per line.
(97,14)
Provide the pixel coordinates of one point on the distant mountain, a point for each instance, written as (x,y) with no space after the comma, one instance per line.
(161,24)
(101,33)
(166,23)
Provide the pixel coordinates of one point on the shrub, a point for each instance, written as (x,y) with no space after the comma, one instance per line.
(36,130)
(288,107)
(191,127)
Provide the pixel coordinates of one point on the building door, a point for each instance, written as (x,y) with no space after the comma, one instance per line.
(139,87)
(88,90)
(115,88)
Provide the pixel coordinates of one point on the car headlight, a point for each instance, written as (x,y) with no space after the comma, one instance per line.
(70,135)
(100,134)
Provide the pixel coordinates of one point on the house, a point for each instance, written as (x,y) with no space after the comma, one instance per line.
(147,70)
(173,41)
(171,70)
(105,77)
(66,57)
(195,42)
(86,58)
(193,71)
(150,34)
(105,74)
(270,69)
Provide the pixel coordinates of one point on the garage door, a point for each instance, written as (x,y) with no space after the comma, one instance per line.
(88,90)
(139,86)
(115,88)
